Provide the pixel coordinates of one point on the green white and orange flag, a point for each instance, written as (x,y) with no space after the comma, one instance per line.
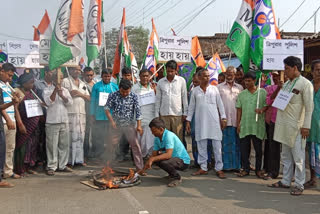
(124,56)
(67,35)
(151,57)
(94,30)
(264,27)
(239,37)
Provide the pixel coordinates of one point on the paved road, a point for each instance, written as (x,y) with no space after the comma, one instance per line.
(63,193)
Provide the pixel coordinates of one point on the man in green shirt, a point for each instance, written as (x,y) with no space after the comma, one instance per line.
(248,128)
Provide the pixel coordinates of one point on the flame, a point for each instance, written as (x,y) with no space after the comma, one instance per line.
(107,177)
(130,176)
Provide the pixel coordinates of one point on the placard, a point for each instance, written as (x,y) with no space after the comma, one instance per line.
(22,47)
(24,61)
(147,98)
(176,48)
(282,100)
(103,98)
(275,51)
(23,54)
(33,108)
(44,50)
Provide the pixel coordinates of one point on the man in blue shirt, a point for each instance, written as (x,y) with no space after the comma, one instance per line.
(126,115)
(99,120)
(168,152)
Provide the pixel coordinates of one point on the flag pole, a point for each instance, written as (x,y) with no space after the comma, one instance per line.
(104,47)
(229,58)
(258,96)
(156,72)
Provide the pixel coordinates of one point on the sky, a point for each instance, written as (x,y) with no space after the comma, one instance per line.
(18,16)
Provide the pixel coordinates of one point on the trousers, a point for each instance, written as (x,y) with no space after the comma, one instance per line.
(203,154)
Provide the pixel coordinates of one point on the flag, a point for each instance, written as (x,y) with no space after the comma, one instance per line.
(36,34)
(67,38)
(44,28)
(196,52)
(123,55)
(264,27)
(3,57)
(187,70)
(215,66)
(94,30)
(151,57)
(239,37)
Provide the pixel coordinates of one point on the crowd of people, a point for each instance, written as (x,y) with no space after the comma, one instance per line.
(94,117)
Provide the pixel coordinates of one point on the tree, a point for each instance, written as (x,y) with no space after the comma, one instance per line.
(138,38)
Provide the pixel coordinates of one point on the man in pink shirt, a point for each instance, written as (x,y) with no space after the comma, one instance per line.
(272,147)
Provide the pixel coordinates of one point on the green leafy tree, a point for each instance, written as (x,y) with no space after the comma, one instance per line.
(138,38)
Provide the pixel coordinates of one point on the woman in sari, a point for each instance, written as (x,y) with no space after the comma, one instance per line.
(27,135)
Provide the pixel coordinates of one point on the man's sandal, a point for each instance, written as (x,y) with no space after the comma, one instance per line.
(200,172)
(242,174)
(296,191)
(221,174)
(175,182)
(279,184)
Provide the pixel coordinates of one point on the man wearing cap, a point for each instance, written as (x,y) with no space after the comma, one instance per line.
(77,115)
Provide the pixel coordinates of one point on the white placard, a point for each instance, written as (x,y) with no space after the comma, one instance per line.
(176,48)
(22,47)
(33,108)
(44,49)
(177,55)
(282,100)
(103,98)
(147,98)
(24,61)
(275,51)
(175,42)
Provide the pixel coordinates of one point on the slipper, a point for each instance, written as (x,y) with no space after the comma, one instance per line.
(296,191)
(242,174)
(200,172)
(4,184)
(32,172)
(221,174)
(279,184)
(50,172)
(175,182)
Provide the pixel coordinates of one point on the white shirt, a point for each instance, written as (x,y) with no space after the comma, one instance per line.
(171,97)
(79,104)
(7,99)
(229,97)
(57,111)
(206,106)
(147,111)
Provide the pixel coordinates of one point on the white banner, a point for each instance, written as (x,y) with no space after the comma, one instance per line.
(24,61)
(22,47)
(44,49)
(176,48)
(275,51)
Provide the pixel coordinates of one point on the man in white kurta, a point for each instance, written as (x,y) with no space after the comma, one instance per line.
(206,103)
(147,99)
(77,115)
(293,126)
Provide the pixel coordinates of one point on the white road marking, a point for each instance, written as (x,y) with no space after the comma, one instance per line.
(133,201)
